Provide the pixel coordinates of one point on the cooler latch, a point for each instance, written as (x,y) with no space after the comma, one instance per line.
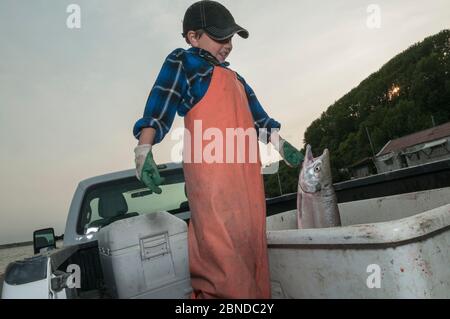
(154,246)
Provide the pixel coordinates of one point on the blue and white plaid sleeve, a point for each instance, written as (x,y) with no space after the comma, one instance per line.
(263,121)
(164,98)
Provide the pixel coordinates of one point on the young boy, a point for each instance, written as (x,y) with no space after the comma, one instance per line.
(227,235)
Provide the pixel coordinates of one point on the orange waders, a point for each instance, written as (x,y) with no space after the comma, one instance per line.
(227,231)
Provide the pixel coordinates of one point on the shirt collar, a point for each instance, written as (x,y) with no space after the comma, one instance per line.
(207,56)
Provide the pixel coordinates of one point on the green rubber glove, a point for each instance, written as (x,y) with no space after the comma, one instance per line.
(290,154)
(146,168)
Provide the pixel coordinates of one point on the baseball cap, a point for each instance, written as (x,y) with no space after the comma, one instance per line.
(213,18)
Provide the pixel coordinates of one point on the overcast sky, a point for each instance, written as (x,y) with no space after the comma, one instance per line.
(70,97)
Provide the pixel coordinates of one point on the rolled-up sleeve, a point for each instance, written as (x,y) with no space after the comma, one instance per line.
(164,98)
(263,122)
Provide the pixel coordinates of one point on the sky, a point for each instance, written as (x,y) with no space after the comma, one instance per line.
(69,97)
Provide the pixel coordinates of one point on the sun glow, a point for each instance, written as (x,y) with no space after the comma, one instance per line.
(393,92)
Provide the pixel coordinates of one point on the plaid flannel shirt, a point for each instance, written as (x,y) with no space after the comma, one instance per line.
(182,82)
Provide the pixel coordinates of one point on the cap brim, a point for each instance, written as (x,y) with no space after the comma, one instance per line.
(222,34)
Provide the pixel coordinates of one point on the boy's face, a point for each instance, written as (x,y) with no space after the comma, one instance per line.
(219,50)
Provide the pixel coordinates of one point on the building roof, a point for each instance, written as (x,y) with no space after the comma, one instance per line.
(363,162)
(424,136)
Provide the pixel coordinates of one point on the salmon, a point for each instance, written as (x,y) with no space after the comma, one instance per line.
(316,200)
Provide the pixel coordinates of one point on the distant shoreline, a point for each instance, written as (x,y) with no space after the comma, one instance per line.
(26,243)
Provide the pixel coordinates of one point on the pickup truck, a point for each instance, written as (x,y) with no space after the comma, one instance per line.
(120,241)
(100,202)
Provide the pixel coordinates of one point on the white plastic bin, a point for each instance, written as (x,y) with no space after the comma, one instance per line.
(401,258)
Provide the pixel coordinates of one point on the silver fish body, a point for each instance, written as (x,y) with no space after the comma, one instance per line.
(316,200)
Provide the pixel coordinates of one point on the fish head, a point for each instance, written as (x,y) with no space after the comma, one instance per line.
(316,171)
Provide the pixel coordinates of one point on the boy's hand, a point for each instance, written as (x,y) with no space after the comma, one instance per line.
(146,169)
(292,157)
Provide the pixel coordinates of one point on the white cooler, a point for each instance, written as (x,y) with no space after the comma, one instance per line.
(146,257)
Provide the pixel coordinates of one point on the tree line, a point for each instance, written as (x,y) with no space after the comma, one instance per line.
(409,93)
